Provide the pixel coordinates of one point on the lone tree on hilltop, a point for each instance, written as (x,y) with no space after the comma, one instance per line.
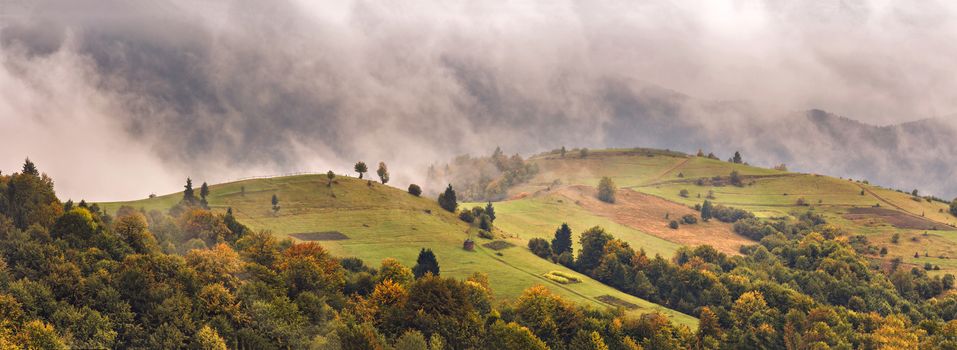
(188,195)
(330,175)
(706,211)
(383,173)
(563,151)
(447,199)
(425,263)
(203,192)
(361,168)
(30,168)
(563,240)
(606,190)
(737,158)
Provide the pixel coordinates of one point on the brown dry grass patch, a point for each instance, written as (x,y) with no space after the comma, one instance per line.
(894,218)
(498,245)
(646,213)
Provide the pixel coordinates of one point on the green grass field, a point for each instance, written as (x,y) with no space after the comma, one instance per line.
(383,221)
(767,193)
(541,216)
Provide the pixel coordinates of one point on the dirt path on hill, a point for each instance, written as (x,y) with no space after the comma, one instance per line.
(914,217)
(868,190)
(646,213)
(669,170)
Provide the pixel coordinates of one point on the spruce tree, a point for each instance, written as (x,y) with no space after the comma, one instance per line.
(490,211)
(30,168)
(275,203)
(188,195)
(447,199)
(737,158)
(563,240)
(425,263)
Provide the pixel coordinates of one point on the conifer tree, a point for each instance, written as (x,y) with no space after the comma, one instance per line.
(30,168)
(188,195)
(563,240)
(425,263)
(490,211)
(447,199)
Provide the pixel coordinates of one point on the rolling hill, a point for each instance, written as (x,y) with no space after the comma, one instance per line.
(371,221)
(651,181)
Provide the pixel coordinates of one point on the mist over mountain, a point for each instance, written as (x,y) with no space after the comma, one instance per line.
(912,155)
(217,90)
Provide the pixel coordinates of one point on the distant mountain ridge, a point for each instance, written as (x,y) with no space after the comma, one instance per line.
(920,154)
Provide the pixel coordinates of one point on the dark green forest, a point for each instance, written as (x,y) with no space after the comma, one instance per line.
(72,276)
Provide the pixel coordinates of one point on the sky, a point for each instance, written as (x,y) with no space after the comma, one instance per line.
(118,99)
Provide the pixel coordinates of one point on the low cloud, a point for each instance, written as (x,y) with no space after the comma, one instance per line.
(117,99)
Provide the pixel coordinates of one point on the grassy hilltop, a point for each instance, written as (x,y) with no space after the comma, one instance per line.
(650,182)
(374,221)
(378,221)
